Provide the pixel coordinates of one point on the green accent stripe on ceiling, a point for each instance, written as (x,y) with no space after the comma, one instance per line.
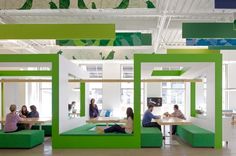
(121,39)
(167,72)
(208,30)
(57,31)
(25,73)
(192,51)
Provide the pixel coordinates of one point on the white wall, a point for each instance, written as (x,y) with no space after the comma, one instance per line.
(153,90)
(14,93)
(112,91)
(208,121)
(65,68)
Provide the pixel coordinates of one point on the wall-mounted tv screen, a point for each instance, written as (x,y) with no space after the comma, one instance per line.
(156,101)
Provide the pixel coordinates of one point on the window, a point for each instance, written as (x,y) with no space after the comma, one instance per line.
(95,89)
(127,88)
(40,95)
(173,93)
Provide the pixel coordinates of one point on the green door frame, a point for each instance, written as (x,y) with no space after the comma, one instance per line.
(155,58)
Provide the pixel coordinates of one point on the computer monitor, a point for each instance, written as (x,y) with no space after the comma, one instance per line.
(156,101)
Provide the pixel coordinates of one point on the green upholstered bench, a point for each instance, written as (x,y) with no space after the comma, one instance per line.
(151,137)
(47,129)
(21,139)
(196,136)
(88,129)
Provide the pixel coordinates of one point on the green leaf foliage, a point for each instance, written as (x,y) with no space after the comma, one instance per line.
(27,5)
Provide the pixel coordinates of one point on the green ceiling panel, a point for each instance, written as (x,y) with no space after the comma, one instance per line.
(208,30)
(167,72)
(57,31)
(192,51)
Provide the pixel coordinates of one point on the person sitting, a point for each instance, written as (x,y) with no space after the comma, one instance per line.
(148,116)
(33,113)
(71,106)
(128,128)
(12,120)
(93,109)
(178,114)
(24,112)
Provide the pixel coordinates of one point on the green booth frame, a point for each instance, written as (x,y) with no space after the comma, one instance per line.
(155,58)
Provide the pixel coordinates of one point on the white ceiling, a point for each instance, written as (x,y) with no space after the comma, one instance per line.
(164,23)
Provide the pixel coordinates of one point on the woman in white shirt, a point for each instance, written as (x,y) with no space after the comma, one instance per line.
(128,128)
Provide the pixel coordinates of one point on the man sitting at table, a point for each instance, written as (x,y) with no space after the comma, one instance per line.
(178,114)
(148,116)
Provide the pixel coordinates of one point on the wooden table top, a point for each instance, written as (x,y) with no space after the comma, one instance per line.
(32,120)
(105,120)
(172,121)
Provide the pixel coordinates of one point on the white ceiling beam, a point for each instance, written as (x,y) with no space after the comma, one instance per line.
(160,28)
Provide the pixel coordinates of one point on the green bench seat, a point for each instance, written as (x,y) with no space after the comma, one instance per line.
(21,139)
(47,129)
(86,130)
(196,136)
(151,137)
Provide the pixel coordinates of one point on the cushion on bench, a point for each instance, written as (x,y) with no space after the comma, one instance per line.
(196,136)
(89,129)
(47,129)
(151,137)
(21,139)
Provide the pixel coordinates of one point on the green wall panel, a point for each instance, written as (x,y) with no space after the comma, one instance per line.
(57,31)
(193,99)
(192,51)
(208,30)
(82,99)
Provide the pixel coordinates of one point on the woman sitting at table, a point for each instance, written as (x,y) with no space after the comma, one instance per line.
(128,128)
(24,112)
(178,114)
(12,120)
(93,109)
(33,113)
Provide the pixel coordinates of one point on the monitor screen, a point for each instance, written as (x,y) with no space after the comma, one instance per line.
(156,101)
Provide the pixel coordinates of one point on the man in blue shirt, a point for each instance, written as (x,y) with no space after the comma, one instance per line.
(148,116)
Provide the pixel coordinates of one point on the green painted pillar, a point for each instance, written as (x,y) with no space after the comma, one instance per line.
(193,99)
(2,100)
(82,99)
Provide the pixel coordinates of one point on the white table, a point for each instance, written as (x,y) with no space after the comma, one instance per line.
(32,121)
(170,121)
(106,120)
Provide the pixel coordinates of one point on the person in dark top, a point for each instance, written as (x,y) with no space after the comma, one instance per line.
(127,128)
(71,106)
(34,113)
(148,116)
(93,109)
(24,112)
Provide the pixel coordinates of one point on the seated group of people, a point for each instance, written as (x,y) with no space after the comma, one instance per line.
(12,119)
(128,127)
(148,116)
